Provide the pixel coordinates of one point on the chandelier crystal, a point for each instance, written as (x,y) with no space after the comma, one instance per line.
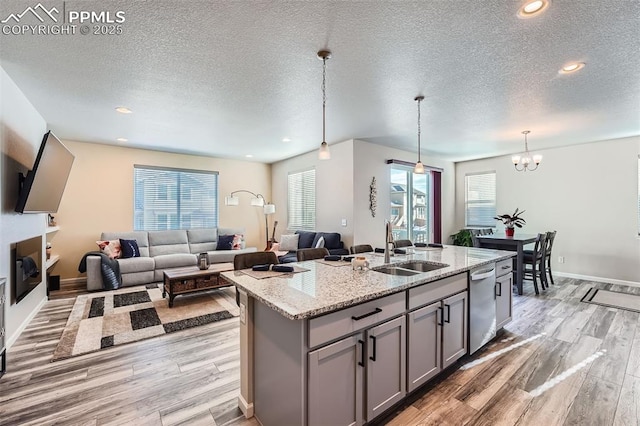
(522,162)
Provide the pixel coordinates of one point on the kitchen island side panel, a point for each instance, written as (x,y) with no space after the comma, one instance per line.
(279,368)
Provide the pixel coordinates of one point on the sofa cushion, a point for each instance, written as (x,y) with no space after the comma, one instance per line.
(202,240)
(141,237)
(177,260)
(168,242)
(136,264)
(306,239)
(225,242)
(230,231)
(129,248)
(289,242)
(110,248)
(331,240)
(223,256)
(288,258)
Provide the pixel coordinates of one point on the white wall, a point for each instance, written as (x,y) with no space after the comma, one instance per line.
(369,161)
(334,189)
(588,193)
(22,129)
(342,185)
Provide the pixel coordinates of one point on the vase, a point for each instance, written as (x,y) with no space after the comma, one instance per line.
(509,231)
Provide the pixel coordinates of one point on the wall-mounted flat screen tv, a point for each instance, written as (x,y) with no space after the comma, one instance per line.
(43,186)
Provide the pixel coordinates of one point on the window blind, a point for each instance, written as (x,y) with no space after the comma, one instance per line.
(167,198)
(480,199)
(301,200)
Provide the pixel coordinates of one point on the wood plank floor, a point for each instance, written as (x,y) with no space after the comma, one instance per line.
(192,377)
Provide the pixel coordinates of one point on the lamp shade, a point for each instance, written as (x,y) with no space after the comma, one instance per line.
(257,201)
(231,200)
(419,168)
(324,153)
(269,208)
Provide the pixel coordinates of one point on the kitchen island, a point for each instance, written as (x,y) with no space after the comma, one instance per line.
(333,345)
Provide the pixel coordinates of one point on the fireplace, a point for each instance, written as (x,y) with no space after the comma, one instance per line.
(26,270)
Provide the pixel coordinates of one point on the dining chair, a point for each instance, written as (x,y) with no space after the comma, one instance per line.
(402,243)
(547,254)
(474,237)
(536,260)
(248,260)
(311,253)
(360,248)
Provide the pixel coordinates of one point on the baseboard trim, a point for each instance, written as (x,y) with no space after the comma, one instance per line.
(597,279)
(78,280)
(245,407)
(12,339)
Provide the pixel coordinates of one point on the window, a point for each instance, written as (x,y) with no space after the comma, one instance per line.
(301,200)
(166,198)
(411,205)
(480,200)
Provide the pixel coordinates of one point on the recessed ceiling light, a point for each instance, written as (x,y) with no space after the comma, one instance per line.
(286,140)
(249,156)
(122,139)
(572,67)
(123,110)
(532,8)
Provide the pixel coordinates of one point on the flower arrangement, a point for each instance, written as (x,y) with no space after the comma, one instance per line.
(511,221)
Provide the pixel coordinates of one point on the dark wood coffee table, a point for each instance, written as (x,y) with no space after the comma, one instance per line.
(191,279)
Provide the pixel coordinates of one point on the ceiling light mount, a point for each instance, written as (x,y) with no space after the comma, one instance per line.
(572,67)
(524,160)
(323,153)
(123,110)
(419,168)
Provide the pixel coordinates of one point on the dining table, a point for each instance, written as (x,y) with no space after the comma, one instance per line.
(513,243)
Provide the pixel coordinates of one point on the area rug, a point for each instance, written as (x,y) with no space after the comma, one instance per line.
(613,299)
(111,318)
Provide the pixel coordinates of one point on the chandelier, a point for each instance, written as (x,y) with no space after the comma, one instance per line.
(522,162)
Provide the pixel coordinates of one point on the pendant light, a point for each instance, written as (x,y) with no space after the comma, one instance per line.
(324,153)
(524,160)
(419,168)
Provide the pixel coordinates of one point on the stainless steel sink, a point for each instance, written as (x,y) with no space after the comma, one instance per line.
(392,270)
(420,265)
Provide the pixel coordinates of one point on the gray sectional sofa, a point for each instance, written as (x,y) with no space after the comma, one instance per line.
(163,250)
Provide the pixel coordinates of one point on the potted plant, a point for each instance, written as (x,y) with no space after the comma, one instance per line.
(462,238)
(511,221)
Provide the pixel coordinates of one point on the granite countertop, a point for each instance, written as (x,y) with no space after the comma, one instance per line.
(325,288)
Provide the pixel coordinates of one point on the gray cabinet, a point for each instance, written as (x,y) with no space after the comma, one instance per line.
(335,383)
(504,302)
(337,393)
(454,328)
(424,345)
(386,366)
(504,293)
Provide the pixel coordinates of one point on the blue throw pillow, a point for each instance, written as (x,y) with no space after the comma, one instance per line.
(129,248)
(225,242)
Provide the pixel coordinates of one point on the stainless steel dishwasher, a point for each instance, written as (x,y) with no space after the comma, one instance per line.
(482,307)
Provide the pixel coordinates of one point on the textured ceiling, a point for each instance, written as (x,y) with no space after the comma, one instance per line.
(231,78)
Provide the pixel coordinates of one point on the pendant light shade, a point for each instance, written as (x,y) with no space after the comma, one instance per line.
(324,153)
(419,168)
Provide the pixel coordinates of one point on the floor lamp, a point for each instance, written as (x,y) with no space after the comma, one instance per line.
(258,200)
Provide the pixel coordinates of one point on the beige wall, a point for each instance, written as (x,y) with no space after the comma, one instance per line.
(21,131)
(99,196)
(588,193)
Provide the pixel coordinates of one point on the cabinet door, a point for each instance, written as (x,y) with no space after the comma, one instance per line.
(335,383)
(504,300)
(386,366)
(454,328)
(424,347)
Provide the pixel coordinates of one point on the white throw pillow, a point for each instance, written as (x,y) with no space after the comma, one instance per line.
(289,242)
(320,242)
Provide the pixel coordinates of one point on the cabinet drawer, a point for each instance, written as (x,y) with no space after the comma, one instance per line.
(341,323)
(431,292)
(504,267)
